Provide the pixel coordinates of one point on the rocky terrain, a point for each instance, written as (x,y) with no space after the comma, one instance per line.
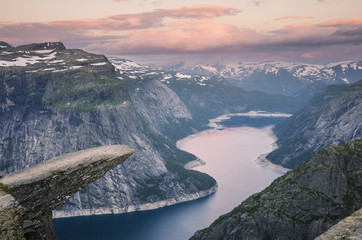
(333,116)
(277,77)
(302,204)
(28,196)
(55,100)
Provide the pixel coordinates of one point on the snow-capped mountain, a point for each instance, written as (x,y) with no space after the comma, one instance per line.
(276,77)
(206,96)
(131,70)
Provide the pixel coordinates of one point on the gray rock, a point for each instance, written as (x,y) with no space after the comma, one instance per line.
(48,185)
(11,218)
(349,228)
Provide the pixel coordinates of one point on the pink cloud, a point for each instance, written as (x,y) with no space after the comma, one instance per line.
(192,31)
(187,36)
(293,17)
(342,22)
(312,55)
(132,21)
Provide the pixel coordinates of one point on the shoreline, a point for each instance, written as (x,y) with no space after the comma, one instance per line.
(195,163)
(262,162)
(213,124)
(136,208)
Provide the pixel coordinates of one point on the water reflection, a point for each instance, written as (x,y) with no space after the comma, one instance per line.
(228,153)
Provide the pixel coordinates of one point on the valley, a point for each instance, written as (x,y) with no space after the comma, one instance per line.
(56,100)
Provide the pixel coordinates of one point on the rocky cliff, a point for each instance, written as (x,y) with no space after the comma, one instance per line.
(332,116)
(302,204)
(55,100)
(34,192)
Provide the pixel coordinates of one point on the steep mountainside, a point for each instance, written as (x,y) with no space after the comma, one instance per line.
(55,101)
(302,204)
(331,117)
(276,77)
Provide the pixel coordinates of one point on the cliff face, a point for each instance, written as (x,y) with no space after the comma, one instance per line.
(302,204)
(333,116)
(55,101)
(38,190)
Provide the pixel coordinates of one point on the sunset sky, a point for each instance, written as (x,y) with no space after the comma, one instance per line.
(312,31)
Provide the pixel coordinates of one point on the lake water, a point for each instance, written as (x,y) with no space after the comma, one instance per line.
(229,155)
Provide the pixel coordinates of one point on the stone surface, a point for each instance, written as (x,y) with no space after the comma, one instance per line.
(349,228)
(302,204)
(11,218)
(48,185)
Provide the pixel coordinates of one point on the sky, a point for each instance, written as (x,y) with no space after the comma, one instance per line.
(150,31)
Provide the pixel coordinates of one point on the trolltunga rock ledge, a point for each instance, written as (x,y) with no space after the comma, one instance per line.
(48,185)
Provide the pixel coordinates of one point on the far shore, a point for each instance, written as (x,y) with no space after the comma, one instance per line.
(261,160)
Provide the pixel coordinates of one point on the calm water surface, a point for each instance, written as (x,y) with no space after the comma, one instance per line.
(229,154)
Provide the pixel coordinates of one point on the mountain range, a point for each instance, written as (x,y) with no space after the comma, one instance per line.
(56,100)
(276,77)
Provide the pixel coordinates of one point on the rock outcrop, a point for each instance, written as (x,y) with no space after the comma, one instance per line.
(349,228)
(302,204)
(11,217)
(333,116)
(38,190)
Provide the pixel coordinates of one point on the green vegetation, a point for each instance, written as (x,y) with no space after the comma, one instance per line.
(60,172)
(146,191)
(11,223)
(6,189)
(352,148)
(201,180)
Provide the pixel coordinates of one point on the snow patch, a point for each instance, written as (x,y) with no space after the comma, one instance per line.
(345,80)
(74,67)
(99,64)
(180,75)
(24,61)
(82,59)
(43,51)
(56,61)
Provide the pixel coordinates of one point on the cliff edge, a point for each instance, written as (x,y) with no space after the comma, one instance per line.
(28,196)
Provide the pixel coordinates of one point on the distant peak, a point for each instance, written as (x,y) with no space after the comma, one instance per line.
(4,45)
(43,46)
